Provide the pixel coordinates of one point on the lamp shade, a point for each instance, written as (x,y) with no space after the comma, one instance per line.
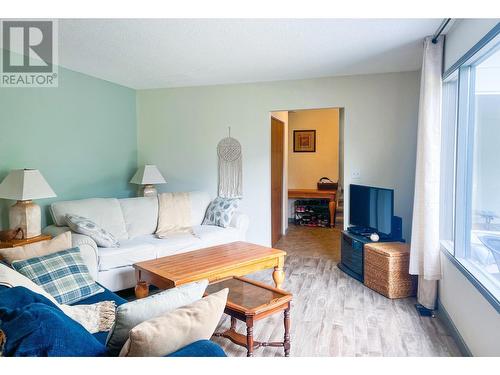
(25,184)
(148,175)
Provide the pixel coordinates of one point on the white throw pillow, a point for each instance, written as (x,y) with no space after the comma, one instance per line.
(168,333)
(133,313)
(85,226)
(37,249)
(221,211)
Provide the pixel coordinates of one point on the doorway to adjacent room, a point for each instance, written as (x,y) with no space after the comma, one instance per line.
(306,169)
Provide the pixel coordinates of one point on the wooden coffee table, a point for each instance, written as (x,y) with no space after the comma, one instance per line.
(212,263)
(250,301)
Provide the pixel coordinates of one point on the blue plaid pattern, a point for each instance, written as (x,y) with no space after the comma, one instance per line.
(63,275)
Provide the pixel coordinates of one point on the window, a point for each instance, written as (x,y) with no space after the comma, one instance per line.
(470,168)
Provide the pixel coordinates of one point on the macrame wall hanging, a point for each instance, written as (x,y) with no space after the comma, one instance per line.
(230,167)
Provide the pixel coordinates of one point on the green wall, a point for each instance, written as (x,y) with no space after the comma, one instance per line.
(81,136)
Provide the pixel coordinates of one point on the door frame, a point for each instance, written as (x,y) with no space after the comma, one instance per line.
(275,237)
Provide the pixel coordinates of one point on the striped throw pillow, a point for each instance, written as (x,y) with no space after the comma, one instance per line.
(63,275)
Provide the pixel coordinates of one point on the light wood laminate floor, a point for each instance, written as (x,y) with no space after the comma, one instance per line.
(334,315)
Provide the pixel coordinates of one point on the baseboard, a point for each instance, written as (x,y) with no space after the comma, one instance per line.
(443,315)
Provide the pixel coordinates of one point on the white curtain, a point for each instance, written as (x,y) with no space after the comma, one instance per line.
(425,251)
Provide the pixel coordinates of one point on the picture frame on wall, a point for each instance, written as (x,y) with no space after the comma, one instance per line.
(304,141)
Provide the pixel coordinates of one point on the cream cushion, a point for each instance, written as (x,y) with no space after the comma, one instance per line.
(37,249)
(168,333)
(131,314)
(105,212)
(174,214)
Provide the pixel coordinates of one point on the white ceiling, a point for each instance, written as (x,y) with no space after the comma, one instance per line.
(154,53)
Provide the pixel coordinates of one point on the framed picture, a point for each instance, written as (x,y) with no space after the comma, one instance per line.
(304,141)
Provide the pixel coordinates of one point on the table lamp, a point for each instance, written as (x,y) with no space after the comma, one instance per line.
(147,176)
(24,185)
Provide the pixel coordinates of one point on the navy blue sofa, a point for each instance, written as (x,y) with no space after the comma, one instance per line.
(20,298)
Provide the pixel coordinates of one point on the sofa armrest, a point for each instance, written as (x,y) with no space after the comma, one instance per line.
(240,221)
(88,247)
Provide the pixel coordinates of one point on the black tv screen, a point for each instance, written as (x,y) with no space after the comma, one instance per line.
(371,208)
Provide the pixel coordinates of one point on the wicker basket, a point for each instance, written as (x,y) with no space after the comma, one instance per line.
(386,267)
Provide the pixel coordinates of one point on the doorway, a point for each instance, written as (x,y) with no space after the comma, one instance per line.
(298,169)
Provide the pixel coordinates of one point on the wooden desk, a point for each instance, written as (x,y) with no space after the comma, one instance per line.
(316,194)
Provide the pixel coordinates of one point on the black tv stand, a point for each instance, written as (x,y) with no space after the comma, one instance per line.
(352,252)
(367,232)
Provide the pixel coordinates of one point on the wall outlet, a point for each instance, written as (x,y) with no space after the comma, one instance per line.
(355,174)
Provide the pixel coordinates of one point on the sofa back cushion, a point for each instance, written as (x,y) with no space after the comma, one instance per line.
(140,215)
(199,204)
(105,212)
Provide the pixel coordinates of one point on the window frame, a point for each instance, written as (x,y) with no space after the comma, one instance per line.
(463,166)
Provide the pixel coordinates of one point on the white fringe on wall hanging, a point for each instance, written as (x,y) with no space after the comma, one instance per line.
(230,168)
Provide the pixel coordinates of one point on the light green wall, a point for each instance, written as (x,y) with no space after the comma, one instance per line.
(81,136)
(178,130)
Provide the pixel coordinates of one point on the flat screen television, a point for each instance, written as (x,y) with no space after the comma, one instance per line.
(371,209)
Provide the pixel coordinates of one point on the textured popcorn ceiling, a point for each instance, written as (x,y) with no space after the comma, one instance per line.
(158,53)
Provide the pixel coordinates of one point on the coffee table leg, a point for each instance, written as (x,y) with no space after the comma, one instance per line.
(286,342)
(249,322)
(141,288)
(279,274)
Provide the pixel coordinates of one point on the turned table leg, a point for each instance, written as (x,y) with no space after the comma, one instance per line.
(249,337)
(141,288)
(279,274)
(286,341)
(331,207)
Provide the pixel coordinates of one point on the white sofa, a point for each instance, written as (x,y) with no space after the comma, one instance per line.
(133,222)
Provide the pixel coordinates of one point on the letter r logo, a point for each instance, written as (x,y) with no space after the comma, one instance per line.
(27,46)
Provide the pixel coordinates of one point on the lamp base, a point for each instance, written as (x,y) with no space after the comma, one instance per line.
(147,191)
(26,215)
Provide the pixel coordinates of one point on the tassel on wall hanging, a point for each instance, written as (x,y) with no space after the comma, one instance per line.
(230,167)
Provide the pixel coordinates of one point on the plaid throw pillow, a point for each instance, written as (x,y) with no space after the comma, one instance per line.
(63,275)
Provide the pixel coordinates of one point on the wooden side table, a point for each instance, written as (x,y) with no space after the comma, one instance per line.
(250,301)
(15,243)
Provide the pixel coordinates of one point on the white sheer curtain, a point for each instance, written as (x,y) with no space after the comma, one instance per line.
(425,251)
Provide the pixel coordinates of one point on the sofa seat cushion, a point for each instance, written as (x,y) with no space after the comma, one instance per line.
(150,247)
(212,235)
(128,253)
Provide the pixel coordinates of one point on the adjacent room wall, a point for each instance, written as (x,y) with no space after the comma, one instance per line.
(81,136)
(179,128)
(476,320)
(306,168)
